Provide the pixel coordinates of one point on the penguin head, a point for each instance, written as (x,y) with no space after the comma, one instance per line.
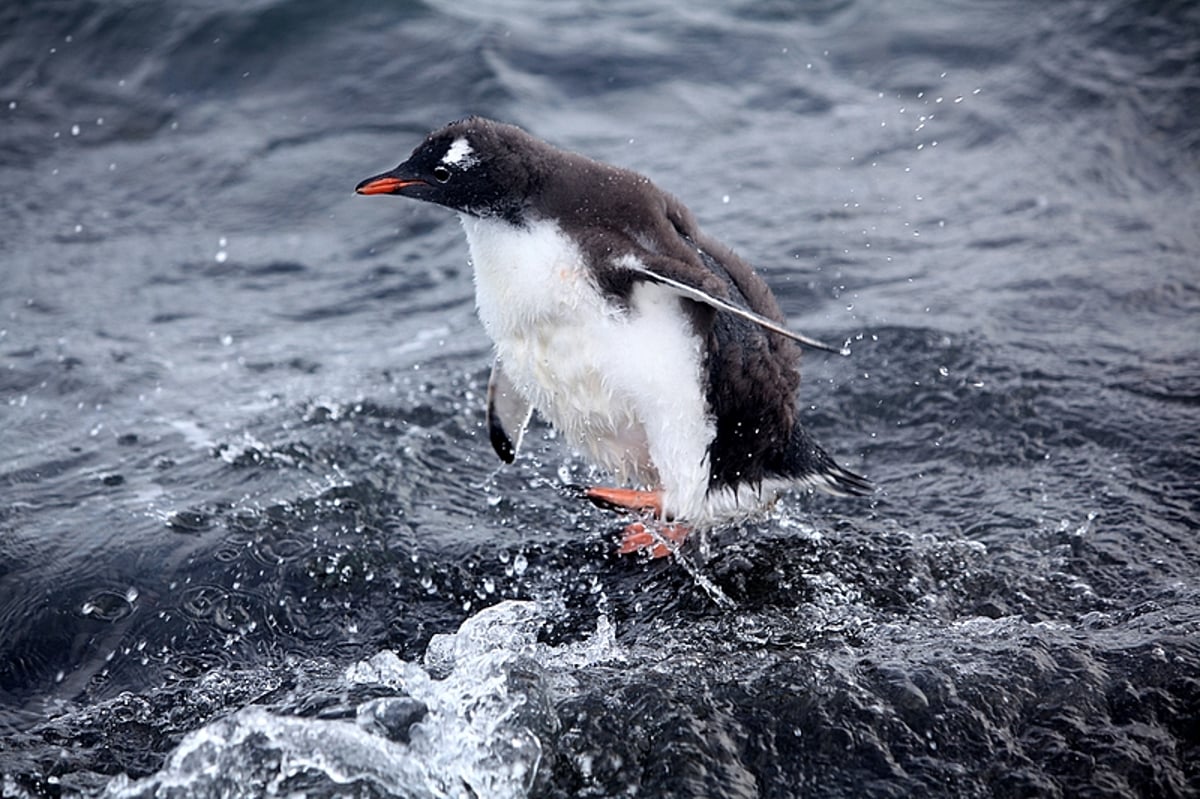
(474,166)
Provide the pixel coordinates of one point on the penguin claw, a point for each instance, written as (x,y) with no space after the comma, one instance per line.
(657,543)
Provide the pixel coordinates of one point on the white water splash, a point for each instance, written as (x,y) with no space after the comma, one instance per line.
(481,732)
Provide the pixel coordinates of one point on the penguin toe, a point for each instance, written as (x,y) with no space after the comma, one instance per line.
(657,541)
(625,499)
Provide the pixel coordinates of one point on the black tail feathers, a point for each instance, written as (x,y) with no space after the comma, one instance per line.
(809,464)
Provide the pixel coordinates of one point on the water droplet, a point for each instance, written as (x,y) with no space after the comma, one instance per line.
(74,130)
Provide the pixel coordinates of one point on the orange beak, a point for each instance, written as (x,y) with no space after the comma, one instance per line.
(383,184)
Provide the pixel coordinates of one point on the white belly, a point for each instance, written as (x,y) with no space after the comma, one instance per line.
(621,386)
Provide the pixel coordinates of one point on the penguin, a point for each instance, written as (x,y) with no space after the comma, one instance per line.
(651,347)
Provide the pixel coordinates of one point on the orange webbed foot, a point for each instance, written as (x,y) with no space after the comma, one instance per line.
(657,542)
(625,499)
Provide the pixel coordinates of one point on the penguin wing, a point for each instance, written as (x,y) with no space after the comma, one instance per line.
(507,414)
(636,265)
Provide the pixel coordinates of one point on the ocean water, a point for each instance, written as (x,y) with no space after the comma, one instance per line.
(254,542)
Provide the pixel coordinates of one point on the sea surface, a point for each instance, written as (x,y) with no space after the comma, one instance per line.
(254,541)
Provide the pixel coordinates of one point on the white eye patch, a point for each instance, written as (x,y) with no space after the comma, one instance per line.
(460,154)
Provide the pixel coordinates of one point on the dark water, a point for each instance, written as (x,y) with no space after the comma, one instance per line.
(245,498)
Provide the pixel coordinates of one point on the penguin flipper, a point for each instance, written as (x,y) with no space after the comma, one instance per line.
(699,295)
(508,414)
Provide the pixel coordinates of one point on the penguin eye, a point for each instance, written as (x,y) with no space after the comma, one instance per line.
(441,174)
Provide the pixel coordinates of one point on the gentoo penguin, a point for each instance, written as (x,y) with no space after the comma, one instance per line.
(651,347)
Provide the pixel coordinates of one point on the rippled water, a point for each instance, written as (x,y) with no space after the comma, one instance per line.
(253,540)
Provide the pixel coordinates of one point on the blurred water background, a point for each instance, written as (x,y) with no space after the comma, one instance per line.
(253,540)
